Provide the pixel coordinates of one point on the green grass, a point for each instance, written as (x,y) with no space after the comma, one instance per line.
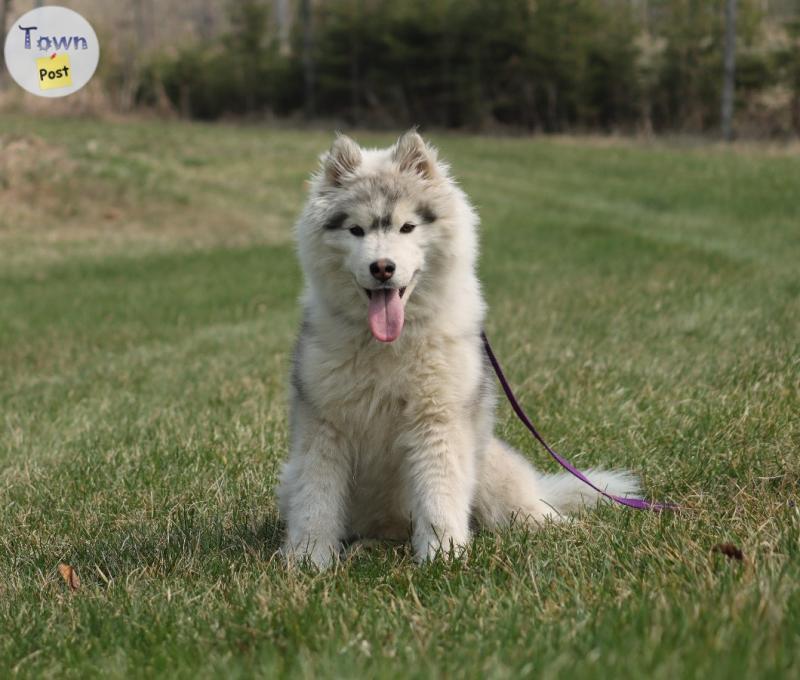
(645,300)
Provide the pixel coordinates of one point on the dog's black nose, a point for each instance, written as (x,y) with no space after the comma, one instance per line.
(382,269)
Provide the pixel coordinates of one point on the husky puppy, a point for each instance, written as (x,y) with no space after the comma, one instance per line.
(391,399)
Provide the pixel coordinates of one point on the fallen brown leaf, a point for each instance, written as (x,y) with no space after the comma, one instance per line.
(729,550)
(70,576)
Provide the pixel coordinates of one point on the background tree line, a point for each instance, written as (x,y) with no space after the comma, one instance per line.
(539,65)
(534,65)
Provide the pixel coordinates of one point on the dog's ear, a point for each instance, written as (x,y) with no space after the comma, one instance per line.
(343,158)
(412,154)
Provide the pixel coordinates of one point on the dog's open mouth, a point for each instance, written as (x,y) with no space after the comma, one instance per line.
(386,313)
(370,292)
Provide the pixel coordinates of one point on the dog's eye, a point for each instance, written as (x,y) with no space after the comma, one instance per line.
(356,231)
(407,228)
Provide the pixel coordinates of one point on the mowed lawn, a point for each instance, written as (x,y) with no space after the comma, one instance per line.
(644,299)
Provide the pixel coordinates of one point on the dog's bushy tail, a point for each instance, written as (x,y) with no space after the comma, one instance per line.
(509,487)
(565,493)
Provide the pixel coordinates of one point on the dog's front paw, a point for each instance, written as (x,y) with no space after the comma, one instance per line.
(322,554)
(429,544)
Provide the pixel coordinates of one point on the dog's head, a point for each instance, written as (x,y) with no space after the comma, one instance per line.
(384,233)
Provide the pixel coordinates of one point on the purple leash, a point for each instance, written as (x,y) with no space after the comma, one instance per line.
(638,503)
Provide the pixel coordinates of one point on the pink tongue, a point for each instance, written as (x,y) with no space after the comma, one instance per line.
(386,314)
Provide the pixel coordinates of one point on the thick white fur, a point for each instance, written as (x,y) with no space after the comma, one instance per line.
(396,440)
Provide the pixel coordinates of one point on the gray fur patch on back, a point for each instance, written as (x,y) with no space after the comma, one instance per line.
(297,358)
(485,390)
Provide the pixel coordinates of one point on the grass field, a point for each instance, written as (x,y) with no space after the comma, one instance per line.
(147,307)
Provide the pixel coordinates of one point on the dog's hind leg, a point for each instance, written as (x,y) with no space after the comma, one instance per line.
(509,487)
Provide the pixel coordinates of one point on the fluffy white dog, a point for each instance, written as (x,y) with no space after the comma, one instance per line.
(392,399)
